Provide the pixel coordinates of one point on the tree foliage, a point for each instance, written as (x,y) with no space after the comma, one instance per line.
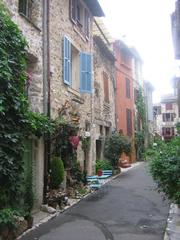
(115,145)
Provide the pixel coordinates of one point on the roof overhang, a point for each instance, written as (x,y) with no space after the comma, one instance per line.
(95,8)
(104,48)
(123,47)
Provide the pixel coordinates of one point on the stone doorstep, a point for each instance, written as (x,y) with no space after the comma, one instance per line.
(41,217)
(172,231)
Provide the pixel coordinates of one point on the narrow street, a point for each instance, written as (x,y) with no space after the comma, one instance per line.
(126,208)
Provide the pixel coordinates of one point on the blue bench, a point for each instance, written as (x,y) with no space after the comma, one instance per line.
(108,173)
(93,182)
(89,178)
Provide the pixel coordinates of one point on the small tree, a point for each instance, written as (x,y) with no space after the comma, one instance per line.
(115,145)
(57,172)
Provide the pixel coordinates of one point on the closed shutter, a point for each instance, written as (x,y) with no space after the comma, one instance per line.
(129,122)
(67,61)
(128,93)
(85,72)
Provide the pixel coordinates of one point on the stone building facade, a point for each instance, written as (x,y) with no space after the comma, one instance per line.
(71,66)
(104,88)
(166,117)
(28,16)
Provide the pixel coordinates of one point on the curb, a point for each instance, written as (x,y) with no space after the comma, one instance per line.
(172,231)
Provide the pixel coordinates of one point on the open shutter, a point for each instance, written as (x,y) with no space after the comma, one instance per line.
(85,72)
(67,61)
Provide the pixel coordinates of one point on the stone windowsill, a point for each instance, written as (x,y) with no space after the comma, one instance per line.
(30,22)
(76,95)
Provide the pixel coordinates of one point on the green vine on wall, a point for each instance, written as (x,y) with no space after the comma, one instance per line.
(16,120)
(140,124)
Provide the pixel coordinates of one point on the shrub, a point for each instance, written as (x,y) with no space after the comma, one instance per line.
(103,165)
(77,172)
(57,172)
(115,145)
(8,218)
(165,168)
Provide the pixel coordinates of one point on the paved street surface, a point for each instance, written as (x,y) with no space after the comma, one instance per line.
(127,208)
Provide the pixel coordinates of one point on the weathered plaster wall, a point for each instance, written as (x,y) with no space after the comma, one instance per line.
(123,71)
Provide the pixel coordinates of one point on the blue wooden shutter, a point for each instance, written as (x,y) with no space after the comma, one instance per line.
(67,61)
(85,72)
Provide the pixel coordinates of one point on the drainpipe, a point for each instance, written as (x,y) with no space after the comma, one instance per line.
(46,90)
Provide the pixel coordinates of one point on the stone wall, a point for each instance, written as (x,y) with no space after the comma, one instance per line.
(32,31)
(104,113)
(60,26)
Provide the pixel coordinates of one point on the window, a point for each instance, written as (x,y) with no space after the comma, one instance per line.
(107,131)
(77,68)
(101,130)
(168,117)
(25,7)
(128,91)
(106,87)
(87,126)
(80,16)
(168,106)
(129,122)
(168,131)
(30,9)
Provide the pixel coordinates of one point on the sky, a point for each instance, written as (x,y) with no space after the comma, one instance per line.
(146,25)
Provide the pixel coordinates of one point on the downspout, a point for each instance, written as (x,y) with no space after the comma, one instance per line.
(46,90)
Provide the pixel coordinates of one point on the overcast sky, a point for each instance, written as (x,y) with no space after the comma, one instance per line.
(146,25)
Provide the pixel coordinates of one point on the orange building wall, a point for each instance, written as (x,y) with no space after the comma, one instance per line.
(124,71)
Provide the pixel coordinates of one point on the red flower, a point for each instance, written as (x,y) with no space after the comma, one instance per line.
(74,140)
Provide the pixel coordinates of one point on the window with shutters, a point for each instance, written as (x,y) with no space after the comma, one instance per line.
(128,91)
(80,16)
(106,87)
(129,122)
(168,117)
(77,69)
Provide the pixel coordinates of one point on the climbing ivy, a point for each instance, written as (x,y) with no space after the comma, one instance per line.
(140,130)
(16,120)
